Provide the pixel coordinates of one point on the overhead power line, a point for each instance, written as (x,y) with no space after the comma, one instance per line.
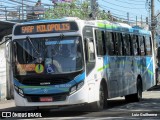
(18,2)
(122,6)
(130,3)
(124,17)
(140,1)
(10,3)
(118,10)
(30,1)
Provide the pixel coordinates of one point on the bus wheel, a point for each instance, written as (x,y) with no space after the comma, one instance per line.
(137,96)
(99,105)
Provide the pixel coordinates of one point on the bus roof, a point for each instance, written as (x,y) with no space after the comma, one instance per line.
(104,24)
(52,20)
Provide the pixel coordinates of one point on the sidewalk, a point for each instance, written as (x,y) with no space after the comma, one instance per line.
(9,105)
(6,103)
(155,88)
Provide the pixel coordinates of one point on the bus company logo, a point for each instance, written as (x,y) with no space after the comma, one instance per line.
(45,90)
(6,114)
(45,83)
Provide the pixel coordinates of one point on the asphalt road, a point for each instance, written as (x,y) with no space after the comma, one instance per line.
(118,108)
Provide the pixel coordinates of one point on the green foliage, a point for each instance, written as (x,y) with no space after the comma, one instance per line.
(82,11)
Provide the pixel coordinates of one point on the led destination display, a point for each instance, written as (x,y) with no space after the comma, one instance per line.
(46,28)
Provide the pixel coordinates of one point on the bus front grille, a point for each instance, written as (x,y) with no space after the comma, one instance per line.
(39,82)
(56,97)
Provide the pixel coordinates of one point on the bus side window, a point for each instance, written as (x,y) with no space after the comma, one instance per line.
(135,45)
(151,44)
(99,35)
(141,43)
(138,43)
(131,45)
(126,44)
(148,45)
(120,44)
(110,43)
(117,44)
(144,40)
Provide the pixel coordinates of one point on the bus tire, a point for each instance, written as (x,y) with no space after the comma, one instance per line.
(99,105)
(138,95)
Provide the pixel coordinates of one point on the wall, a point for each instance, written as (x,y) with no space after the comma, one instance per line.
(2,73)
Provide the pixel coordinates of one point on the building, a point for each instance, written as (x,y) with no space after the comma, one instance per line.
(5,29)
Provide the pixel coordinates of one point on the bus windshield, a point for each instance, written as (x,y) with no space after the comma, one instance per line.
(54,55)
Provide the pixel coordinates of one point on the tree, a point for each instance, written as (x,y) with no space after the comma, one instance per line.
(73,9)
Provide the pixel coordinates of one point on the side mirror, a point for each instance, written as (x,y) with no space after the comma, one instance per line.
(91,46)
(7,52)
(8,48)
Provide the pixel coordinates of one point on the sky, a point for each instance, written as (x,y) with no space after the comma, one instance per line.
(121,7)
(117,8)
(133,7)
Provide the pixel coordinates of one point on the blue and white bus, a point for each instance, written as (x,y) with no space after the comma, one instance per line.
(71,61)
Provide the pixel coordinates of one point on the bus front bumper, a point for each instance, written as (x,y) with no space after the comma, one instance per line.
(79,97)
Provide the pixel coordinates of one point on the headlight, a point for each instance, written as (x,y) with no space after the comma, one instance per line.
(73,89)
(80,85)
(19,91)
(76,87)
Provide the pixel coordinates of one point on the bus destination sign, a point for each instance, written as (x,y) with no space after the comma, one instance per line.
(46,28)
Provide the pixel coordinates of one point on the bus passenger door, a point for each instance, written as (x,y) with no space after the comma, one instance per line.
(100,49)
(101,59)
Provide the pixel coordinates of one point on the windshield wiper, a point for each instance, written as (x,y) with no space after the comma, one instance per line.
(58,43)
(34,48)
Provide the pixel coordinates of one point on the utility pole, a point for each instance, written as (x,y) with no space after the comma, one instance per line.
(154,41)
(146,20)
(19,12)
(141,21)
(22,11)
(153,23)
(93,9)
(128,17)
(6,13)
(136,20)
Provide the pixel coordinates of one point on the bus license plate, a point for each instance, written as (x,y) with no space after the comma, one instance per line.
(46,99)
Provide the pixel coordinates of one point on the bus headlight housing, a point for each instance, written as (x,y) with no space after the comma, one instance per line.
(19,91)
(76,87)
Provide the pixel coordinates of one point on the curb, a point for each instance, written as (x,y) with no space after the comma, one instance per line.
(154,88)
